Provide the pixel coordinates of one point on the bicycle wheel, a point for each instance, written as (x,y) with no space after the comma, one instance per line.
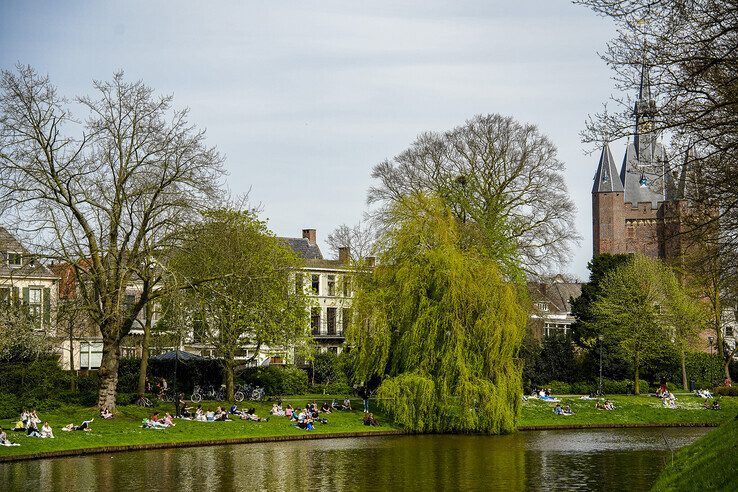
(196,397)
(238,396)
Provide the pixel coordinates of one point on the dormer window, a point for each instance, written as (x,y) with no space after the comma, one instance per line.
(542,306)
(15,260)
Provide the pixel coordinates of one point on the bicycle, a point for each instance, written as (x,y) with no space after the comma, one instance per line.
(166,395)
(143,402)
(196,396)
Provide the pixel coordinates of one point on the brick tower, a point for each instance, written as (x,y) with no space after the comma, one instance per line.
(638,209)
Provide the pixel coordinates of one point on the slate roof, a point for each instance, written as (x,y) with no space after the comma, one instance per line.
(302,247)
(648,161)
(557,294)
(606,178)
(30,267)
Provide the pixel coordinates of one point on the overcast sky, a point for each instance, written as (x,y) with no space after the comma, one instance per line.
(305,97)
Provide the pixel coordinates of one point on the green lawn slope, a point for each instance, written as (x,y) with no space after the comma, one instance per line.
(711,463)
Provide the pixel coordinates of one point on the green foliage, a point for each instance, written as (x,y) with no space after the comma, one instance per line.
(559,387)
(325,368)
(441,324)
(239,288)
(726,390)
(642,306)
(277,380)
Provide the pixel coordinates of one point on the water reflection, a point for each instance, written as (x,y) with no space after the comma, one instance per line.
(599,459)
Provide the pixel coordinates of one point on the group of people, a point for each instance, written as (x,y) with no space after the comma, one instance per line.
(29,423)
(703,393)
(565,410)
(155,422)
(543,394)
(605,405)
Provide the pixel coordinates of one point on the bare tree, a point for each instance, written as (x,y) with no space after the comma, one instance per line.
(101,194)
(690,53)
(503,175)
(359,238)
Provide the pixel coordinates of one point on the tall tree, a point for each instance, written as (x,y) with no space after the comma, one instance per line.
(497,173)
(440,324)
(102,192)
(240,288)
(644,307)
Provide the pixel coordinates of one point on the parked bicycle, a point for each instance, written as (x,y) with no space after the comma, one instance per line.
(254,393)
(143,402)
(209,393)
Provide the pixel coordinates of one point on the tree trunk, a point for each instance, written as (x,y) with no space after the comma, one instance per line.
(684,371)
(229,377)
(143,369)
(726,366)
(637,388)
(71,360)
(108,374)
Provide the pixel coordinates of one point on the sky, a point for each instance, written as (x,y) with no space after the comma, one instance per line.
(304,98)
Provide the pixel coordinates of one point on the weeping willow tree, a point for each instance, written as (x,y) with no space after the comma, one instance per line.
(440,324)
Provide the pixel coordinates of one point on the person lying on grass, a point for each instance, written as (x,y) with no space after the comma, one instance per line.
(106,414)
(4,439)
(84,426)
(250,414)
(152,424)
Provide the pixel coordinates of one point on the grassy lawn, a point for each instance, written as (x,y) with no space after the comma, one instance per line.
(125,428)
(711,463)
(628,410)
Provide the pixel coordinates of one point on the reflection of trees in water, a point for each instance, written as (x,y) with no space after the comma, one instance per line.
(627,459)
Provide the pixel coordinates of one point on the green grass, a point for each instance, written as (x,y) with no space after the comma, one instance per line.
(629,410)
(125,428)
(711,463)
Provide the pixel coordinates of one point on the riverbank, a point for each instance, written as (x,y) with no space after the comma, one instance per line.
(124,432)
(711,463)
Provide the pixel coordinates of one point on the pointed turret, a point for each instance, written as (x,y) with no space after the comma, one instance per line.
(606,178)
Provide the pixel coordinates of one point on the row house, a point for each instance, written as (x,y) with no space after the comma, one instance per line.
(25,279)
(551,311)
(328,284)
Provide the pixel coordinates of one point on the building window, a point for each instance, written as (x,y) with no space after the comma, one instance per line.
(542,306)
(346,286)
(345,319)
(333,350)
(331,321)
(315,320)
(5,295)
(128,301)
(298,283)
(129,351)
(331,285)
(15,260)
(728,331)
(34,302)
(315,284)
(90,355)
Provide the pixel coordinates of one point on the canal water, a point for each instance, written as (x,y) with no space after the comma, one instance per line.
(620,459)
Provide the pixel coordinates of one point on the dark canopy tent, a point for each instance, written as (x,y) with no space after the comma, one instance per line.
(180,355)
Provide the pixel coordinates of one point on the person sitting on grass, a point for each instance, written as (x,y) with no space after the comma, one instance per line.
(277,411)
(184,410)
(558,410)
(155,417)
(288,411)
(370,420)
(609,405)
(105,413)
(32,430)
(24,416)
(4,439)
(20,426)
(234,410)
(250,414)
(46,431)
(567,410)
(168,420)
(221,415)
(600,406)
(210,416)
(326,408)
(84,426)
(346,404)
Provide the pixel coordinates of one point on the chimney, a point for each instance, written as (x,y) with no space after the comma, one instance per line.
(344,254)
(370,261)
(310,235)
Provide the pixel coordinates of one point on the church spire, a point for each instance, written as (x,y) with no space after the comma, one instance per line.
(606,178)
(644,111)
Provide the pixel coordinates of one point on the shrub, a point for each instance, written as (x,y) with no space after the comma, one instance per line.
(559,387)
(582,388)
(726,390)
(277,380)
(10,406)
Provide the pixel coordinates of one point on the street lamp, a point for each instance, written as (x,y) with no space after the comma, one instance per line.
(600,338)
(710,340)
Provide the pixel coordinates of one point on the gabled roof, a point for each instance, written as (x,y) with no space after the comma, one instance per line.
(302,248)
(557,294)
(30,266)
(606,178)
(647,162)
